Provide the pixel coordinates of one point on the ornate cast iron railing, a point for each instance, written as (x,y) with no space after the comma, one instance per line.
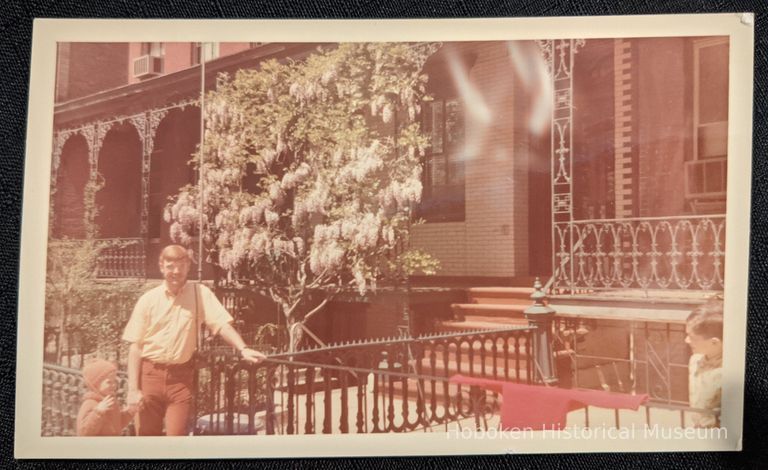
(392,385)
(122,257)
(118,257)
(641,253)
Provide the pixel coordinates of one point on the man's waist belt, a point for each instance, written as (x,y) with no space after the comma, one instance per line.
(170,367)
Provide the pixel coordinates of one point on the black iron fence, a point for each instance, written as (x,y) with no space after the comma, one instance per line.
(403,384)
(390,385)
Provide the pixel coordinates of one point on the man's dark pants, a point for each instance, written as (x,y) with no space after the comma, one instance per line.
(167,396)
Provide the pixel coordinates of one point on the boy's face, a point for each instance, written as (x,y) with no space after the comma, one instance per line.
(108,386)
(709,347)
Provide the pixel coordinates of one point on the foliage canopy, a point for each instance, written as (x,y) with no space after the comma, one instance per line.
(310,170)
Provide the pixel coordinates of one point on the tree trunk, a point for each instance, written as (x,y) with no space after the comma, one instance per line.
(295,335)
(61,333)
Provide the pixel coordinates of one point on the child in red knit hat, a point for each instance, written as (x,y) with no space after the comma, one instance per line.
(100,413)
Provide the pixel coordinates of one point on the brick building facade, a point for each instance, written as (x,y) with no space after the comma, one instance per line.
(645,137)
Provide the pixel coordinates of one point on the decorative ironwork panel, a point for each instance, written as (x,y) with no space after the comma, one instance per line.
(122,257)
(559,56)
(643,253)
(155,118)
(563,98)
(95,132)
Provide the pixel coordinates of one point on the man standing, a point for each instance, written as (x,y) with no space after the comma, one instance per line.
(162,333)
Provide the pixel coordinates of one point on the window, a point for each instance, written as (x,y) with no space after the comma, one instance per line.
(154,49)
(210,51)
(443,176)
(706,170)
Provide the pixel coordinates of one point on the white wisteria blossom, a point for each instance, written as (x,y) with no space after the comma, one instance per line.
(311,170)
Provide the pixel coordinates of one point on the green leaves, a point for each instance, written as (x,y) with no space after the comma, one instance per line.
(77,301)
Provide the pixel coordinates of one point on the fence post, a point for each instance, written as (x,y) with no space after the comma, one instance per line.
(540,316)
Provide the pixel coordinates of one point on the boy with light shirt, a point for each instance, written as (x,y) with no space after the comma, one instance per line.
(704,335)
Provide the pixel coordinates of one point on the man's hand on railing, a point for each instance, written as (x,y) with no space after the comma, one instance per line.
(251,355)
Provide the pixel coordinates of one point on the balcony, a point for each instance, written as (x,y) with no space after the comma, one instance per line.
(665,253)
(122,258)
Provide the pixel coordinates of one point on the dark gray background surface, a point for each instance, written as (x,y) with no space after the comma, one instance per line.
(16,34)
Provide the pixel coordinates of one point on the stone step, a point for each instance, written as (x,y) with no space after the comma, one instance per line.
(500,295)
(457,326)
(489,310)
(501,322)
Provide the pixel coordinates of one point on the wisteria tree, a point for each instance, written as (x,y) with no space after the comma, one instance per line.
(310,171)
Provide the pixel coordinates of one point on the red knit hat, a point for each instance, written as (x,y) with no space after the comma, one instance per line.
(96,371)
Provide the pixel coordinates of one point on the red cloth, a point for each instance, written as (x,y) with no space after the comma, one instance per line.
(539,407)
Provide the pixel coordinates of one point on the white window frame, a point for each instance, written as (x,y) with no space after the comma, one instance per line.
(698,160)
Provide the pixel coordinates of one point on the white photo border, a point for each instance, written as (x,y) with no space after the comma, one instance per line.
(739,27)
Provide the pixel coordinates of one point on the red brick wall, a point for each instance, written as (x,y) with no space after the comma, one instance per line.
(63,56)
(119,201)
(227,48)
(624,190)
(492,241)
(662,125)
(447,242)
(72,177)
(134,51)
(85,68)
(178,55)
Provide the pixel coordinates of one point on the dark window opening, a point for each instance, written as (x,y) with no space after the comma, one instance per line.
(443,198)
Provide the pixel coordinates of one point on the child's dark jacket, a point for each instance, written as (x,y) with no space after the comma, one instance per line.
(91,422)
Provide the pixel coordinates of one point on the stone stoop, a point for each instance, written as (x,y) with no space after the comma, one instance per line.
(490,308)
(487,308)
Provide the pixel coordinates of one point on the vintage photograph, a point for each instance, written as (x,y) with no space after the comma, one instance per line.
(454,237)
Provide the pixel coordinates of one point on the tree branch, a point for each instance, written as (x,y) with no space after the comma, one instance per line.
(318,308)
